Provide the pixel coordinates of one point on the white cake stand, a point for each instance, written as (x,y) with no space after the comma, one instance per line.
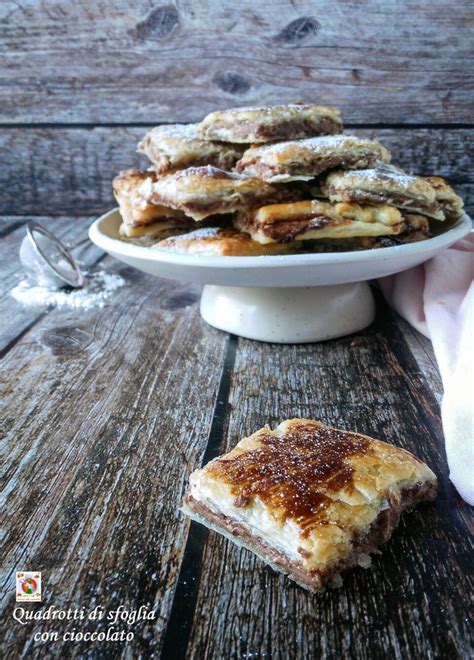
(286,299)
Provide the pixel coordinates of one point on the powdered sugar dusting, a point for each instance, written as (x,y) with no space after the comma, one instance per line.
(187,131)
(282,110)
(98,289)
(383,172)
(145,189)
(202,232)
(317,144)
(200,171)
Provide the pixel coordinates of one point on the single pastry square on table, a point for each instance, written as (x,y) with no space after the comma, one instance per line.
(310,500)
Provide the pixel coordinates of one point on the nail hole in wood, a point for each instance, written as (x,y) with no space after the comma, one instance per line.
(232,83)
(299,30)
(66,341)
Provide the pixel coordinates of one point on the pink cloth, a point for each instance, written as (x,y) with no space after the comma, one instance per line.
(437,298)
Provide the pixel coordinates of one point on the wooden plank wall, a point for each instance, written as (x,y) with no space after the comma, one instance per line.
(152,61)
(82,81)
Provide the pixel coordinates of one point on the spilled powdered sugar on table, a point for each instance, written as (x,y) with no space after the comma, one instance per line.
(96,292)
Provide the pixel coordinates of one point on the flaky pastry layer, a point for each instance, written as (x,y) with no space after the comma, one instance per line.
(203,191)
(308,220)
(451,204)
(383,184)
(178,146)
(267,124)
(306,159)
(222,242)
(135,209)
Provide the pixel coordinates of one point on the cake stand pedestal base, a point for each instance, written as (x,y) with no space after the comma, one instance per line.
(296,315)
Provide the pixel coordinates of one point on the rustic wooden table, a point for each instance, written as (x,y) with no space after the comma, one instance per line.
(104,412)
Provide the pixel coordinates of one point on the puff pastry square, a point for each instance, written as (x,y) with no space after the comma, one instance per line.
(383,184)
(268,124)
(178,146)
(203,191)
(143,221)
(302,160)
(314,220)
(451,204)
(310,500)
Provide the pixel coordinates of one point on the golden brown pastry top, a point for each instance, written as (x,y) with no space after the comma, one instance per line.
(267,124)
(178,146)
(135,209)
(382,178)
(271,213)
(451,203)
(127,181)
(308,220)
(383,183)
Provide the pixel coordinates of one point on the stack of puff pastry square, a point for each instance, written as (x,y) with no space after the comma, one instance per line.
(274,180)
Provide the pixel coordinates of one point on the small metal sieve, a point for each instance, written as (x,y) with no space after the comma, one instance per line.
(47,261)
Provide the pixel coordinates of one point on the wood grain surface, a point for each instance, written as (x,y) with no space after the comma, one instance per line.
(110,441)
(104,413)
(99,62)
(69,171)
(370,384)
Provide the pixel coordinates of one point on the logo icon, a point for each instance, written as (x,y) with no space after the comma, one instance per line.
(28,587)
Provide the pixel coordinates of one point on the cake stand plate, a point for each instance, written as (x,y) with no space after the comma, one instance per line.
(286,298)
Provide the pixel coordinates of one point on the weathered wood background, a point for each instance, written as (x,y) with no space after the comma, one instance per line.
(147,61)
(104,413)
(82,81)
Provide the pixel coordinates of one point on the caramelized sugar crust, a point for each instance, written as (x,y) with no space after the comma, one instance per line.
(293,473)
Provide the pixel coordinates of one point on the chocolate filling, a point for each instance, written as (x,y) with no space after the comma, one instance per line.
(164,164)
(396,199)
(313,168)
(378,533)
(178,222)
(286,130)
(231,200)
(286,231)
(279,129)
